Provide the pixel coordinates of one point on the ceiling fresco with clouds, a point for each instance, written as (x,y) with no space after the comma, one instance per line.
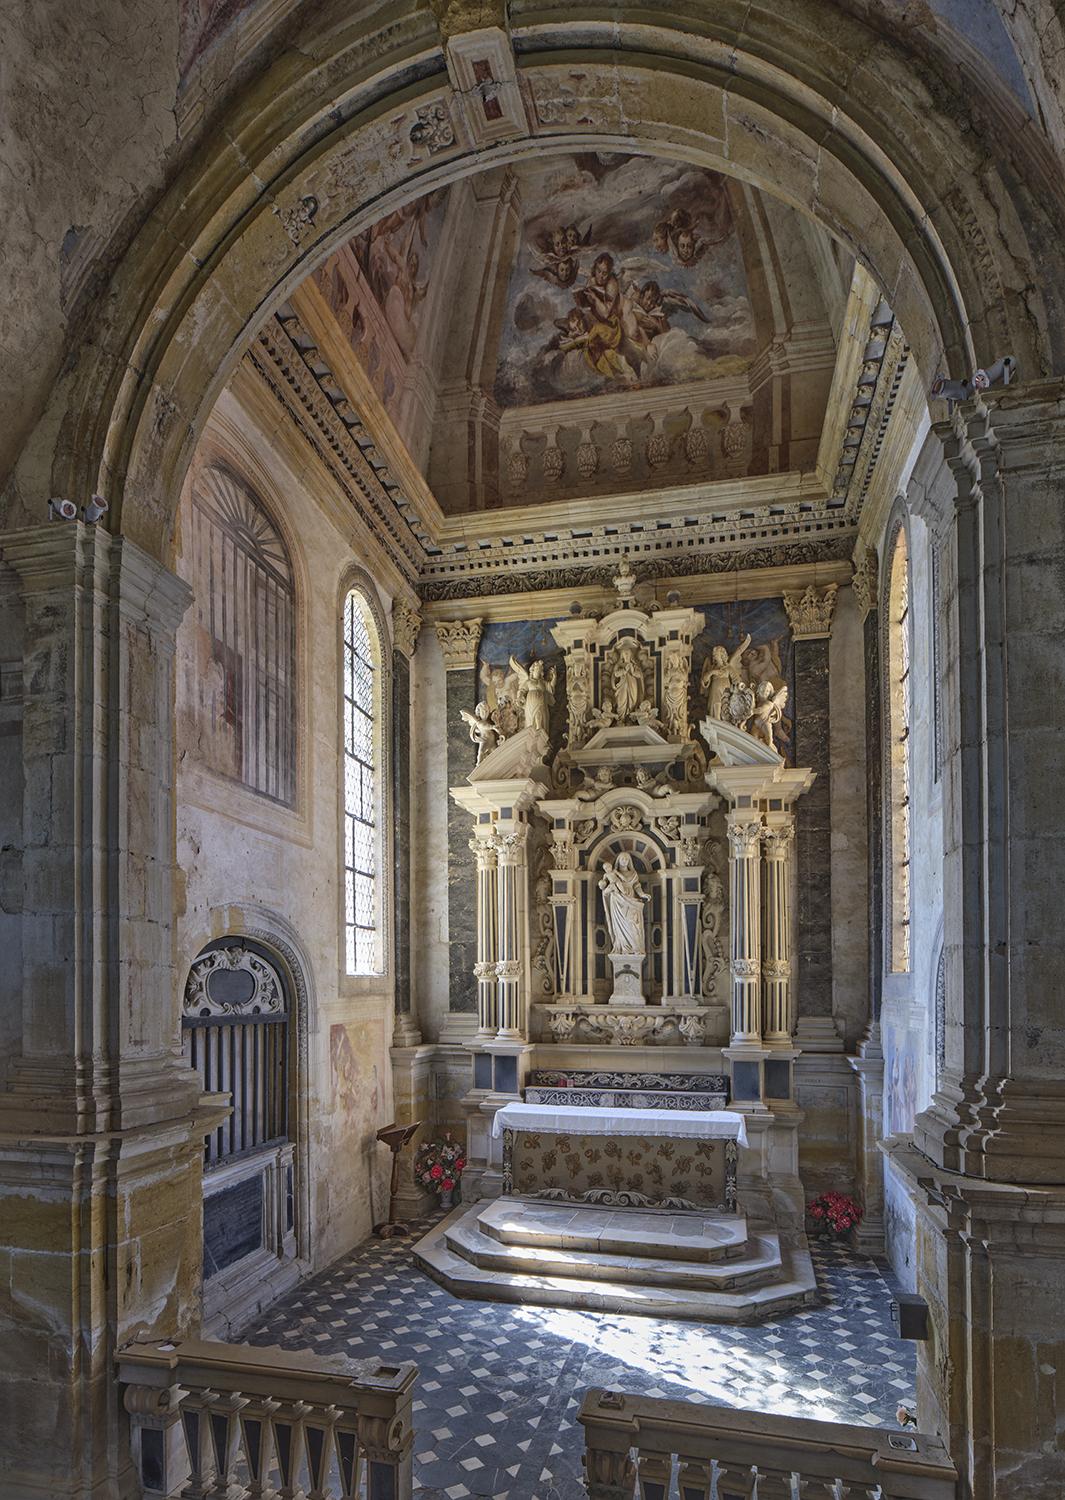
(628,274)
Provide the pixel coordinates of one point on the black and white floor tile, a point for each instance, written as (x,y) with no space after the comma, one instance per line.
(499,1385)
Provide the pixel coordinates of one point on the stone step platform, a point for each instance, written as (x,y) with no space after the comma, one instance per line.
(765,1280)
(665,1234)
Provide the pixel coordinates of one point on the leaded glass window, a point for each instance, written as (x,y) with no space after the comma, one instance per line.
(360,791)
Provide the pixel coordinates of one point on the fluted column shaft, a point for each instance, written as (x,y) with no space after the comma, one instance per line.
(745,879)
(487,936)
(778,842)
(509,965)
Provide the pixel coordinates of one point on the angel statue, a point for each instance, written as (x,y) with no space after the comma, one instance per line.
(536,693)
(623,899)
(483,732)
(720,673)
(768,712)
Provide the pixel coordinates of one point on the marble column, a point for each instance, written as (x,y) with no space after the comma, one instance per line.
(459,640)
(485,851)
(778,842)
(867,595)
(101,1121)
(511,878)
(745,922)
(810,614)
(406,624)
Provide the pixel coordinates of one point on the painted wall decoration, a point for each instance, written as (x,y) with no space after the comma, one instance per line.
(377,283)
(628,274)
(356,1091)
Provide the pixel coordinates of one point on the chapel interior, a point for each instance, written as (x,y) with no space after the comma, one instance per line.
(532,636)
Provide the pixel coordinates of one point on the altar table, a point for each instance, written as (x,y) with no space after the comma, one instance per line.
(640,1158)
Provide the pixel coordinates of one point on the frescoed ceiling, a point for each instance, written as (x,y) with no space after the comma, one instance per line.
(581,325)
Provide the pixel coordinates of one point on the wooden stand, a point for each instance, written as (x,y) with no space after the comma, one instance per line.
(395,1137)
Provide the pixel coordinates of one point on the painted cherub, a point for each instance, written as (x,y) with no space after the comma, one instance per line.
(720,673)
(768,712)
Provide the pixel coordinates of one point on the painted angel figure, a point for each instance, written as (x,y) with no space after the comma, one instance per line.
(720,673)
(483,732)
(768,711)
(536,693)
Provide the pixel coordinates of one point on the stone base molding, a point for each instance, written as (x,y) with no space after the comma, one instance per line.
(991,1265)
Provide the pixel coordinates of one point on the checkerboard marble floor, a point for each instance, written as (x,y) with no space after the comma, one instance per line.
(499,1385)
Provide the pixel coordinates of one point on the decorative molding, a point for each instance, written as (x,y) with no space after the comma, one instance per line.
(406,627)
(865,583)
(267,997)
(459,640)
(810,613)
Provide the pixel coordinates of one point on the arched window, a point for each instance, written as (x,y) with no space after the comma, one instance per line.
(243,672)
(898,779)
(361,788)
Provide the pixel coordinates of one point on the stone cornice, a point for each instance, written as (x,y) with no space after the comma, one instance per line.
(335,439)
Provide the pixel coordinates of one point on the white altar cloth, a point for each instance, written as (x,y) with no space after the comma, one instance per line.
(680,1124)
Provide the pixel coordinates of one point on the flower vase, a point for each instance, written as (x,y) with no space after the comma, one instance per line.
(447,1197)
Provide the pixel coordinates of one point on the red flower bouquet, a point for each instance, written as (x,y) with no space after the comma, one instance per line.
(835,1214)
(440,1164)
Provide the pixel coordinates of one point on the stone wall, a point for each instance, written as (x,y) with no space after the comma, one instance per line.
(249,864)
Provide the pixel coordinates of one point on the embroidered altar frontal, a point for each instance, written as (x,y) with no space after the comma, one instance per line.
(630,1172)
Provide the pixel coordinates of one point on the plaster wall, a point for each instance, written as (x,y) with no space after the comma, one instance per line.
(249,864)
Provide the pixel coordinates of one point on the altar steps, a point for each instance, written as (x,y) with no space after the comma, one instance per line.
(472,1255)
(680,1235)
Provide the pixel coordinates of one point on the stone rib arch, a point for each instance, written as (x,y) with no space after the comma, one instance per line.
(955,268)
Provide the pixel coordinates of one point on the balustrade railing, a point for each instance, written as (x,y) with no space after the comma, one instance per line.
(659,1449)
(229,1420)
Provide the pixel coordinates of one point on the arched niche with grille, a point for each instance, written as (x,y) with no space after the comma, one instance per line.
(362,785)
(241,685)
(897,625)
(238,1026)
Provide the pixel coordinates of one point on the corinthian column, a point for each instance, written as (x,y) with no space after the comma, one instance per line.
(745,880)
(485,968)
(509,966)
(778,841)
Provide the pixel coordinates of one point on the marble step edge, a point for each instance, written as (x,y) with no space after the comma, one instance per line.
(761,1265)
(611,1240)
(796,1289)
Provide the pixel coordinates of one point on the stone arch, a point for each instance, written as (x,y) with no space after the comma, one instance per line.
(888,177)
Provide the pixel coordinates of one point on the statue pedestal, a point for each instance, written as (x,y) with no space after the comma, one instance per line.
(628,979)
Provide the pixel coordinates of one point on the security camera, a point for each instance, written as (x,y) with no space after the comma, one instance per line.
(62,510)
(1000,373)
(96,507)
(950,390)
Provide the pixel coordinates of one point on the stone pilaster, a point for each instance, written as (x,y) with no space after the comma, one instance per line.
(810,614)
(868,1065)
(406,623)
(101,1124)
(1000,1110)
(778,840)
(486,852)
(459,640)
(745,934)
(867,593)
(512,877)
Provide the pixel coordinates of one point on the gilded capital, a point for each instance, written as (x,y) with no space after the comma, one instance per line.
(459,640)
(810,613)
(406,626)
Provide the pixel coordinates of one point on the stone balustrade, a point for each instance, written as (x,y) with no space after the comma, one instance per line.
(211,1419)
(713,1453)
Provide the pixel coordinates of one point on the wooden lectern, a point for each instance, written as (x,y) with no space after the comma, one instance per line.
(395,1137)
